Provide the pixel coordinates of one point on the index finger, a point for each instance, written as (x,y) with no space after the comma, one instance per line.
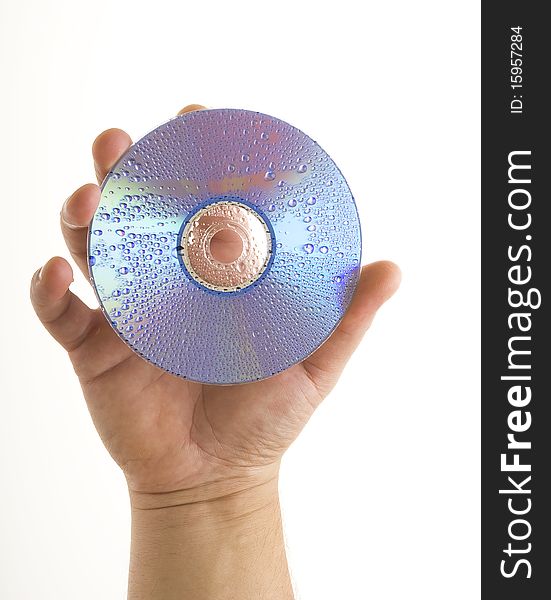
(78,211)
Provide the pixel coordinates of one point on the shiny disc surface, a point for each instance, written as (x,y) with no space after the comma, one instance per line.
(296,230)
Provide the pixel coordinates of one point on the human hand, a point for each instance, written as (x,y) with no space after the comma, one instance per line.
(173,436)
(167,433)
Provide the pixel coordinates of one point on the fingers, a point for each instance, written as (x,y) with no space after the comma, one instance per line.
(377,284)
(191,108)
(110,145)
(76,214)
(78,210)
(64,315)
(107,148)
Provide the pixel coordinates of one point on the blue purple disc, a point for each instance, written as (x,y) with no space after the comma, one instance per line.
(226,246)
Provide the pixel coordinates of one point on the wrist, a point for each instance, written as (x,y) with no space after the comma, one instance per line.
(219,540)
(228,494)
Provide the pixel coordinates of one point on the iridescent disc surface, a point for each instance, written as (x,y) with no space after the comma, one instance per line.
(284,207)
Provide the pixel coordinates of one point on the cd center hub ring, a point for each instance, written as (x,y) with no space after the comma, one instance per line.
(205,266)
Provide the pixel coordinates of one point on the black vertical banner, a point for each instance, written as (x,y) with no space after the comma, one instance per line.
(516,261)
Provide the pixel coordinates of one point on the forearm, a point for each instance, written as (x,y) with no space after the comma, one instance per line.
(187,545)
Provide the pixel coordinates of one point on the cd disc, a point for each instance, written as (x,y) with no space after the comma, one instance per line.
(226,246)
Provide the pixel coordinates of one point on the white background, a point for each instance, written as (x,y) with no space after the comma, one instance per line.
(381,491)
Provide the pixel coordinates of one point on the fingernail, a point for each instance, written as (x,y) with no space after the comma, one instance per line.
(64,209)
(64,215)
(39,276)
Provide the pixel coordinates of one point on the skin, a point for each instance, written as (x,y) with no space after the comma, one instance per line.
(201,461)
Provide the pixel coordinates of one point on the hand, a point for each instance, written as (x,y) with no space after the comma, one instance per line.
(164,432)
(201,461)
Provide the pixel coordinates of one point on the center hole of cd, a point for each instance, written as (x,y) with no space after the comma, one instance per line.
(226,246)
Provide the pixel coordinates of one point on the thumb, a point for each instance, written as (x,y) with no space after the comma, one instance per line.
(378,282)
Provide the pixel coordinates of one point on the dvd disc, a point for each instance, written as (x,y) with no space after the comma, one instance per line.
(226,246)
